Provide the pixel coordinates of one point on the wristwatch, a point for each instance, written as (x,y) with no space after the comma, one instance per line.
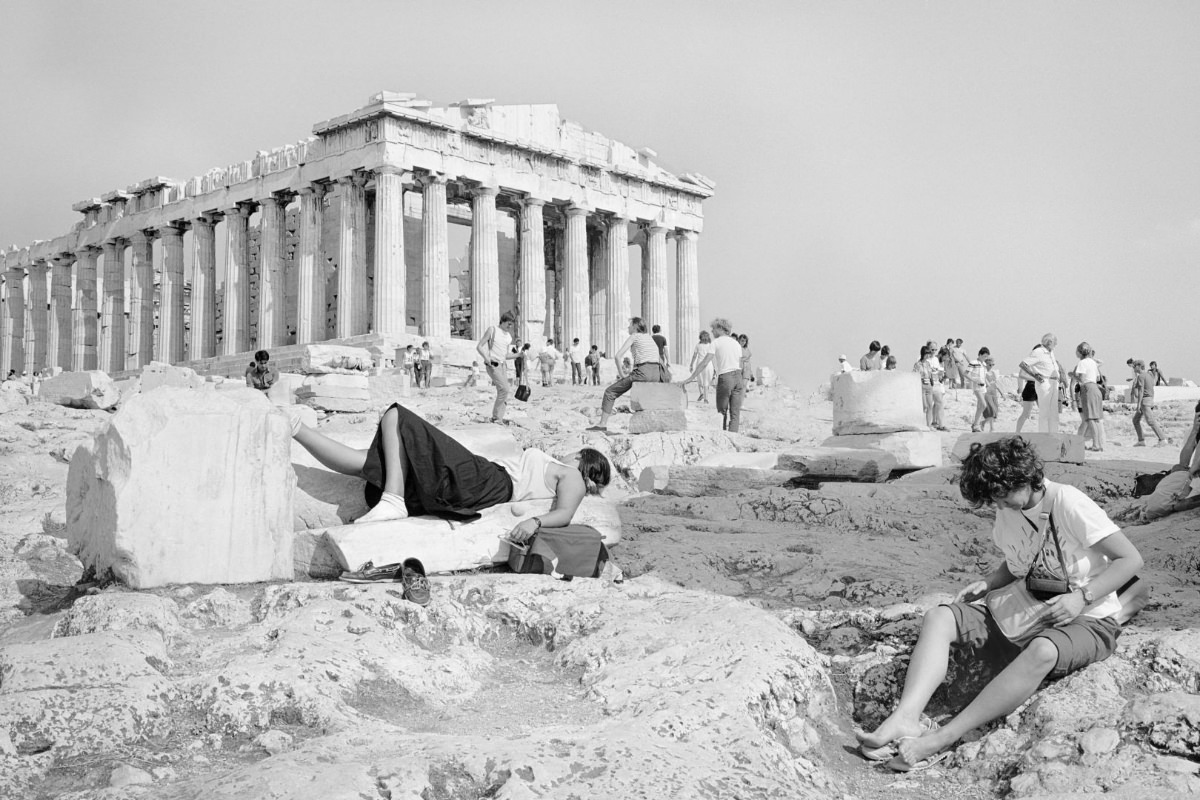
(1087,595)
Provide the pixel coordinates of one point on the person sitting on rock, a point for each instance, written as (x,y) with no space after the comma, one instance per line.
(260,374)
(646,369)
(1099,561)
(412,468)
(1174,492)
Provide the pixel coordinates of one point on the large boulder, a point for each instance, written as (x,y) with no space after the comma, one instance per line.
(912,449)
(659,420)
(349,393)
(156,374)
(1065,447)
(878,401)
(185,487)
(658,396)
(90,389)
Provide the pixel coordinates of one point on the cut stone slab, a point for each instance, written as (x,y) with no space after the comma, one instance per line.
(321,358)
(711,481)
(185,487)
(156,374)
(747,460)
(912,449)
(878,401)
(446,547)
(658,397)
(1065,447)
(840,463)
(334,392)
(658,421)
(90,389)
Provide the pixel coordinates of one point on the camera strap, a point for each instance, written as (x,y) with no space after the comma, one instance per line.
(1046,525)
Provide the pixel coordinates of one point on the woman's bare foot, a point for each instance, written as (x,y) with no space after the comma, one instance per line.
(912,750)
(891,729)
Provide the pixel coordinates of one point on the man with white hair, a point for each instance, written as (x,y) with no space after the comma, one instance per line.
(1042,364)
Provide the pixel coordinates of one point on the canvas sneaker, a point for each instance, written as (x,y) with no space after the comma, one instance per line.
(416,585)
(369,573)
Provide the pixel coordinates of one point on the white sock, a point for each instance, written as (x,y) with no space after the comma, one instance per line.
(390,506)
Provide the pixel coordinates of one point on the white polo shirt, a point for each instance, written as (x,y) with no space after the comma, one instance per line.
(727,355)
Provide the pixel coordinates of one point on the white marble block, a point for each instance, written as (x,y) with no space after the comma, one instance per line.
(912,449)
(1064,447)
(660,420)
(156,374)
(91,389)
(184,486)
(658,397)
(745,460)
(878,401)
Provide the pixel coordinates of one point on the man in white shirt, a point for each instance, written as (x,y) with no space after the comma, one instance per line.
(577,353)
(1042,364)
(726,359)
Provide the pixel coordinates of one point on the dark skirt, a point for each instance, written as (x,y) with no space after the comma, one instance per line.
(443,478)
(1029,392)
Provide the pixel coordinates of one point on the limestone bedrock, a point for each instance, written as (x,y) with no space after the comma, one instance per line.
(184,486)
(877,402)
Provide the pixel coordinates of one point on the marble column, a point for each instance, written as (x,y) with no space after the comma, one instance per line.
(435,260)
(59,346)
(391,277)
(310,274)
(85,337)
(112,313)
(272,291)
(687,293)
(575,311)
(617,269)
(485,262)
(655,307)
(170,314)
(352,307)
(14,322)
(531,297)
(203,340)
(36,346)
(598,289)
(235,317)
(141,300)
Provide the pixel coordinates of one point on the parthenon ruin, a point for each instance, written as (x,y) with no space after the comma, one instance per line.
(347,233)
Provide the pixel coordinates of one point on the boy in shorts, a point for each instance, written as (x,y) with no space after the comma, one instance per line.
(1008,474)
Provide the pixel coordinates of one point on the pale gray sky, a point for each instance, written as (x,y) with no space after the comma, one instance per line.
(894,170)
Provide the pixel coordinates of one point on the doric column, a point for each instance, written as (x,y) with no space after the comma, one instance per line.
(203,341)
(112,313)
(391,289)
(85,339)
(531,298)
(435,260)
(617,269)
(272,291)
(59,348)
(310,277)
(352,257)
(170,314)
(235,323)
(14,322)
(598,290)
(485,261)
(655,308)
(687,292)
(141,300)
(36,346)
(575,312)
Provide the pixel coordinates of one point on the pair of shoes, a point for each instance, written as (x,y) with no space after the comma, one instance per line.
(410,572)
(597,428)
(1139,443)
(898,764)
(369,573)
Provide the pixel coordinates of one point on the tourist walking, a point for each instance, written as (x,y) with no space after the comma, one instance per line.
(646,368)
(426,357)
(1091,400)
(726,359)
(495,348)
(991,396)
(932,389)
(547,359)
(1046,376)
(747,366)
(592,362)
(961,364)
(704,347)
(577,353)
(664,351)
(1142,397)
(1156,373)
(977,381)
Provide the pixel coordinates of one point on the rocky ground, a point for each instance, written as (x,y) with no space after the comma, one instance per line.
(754,631)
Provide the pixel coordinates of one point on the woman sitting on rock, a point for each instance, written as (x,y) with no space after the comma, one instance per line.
(412,468)
(1082,622)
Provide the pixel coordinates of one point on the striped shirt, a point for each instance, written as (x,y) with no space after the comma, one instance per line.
(643,349)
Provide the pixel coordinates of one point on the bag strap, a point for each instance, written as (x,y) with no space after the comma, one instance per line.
(1046,521)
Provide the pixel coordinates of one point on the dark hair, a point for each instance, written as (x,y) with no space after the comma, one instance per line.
(507,316)
(885,351)
(575,340)
(638,324)
(656,329)
(595,469)
(595,347)
(743,338)
(925,351)
(262,355)
(983,351)
(998,468)
(549,343)
(875,345)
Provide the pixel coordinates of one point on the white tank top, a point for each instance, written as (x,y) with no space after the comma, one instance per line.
(529,475)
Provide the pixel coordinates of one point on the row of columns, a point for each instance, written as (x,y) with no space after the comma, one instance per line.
(96,336)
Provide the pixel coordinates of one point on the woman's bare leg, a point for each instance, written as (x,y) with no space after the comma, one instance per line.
(1026,412)
(395,465)
(926,671)
(335,455)
(1006,692)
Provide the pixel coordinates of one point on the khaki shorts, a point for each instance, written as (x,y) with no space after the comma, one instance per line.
(1083,641)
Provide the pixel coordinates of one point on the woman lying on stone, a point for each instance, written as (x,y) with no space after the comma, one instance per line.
(1039,526)
(412,468)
